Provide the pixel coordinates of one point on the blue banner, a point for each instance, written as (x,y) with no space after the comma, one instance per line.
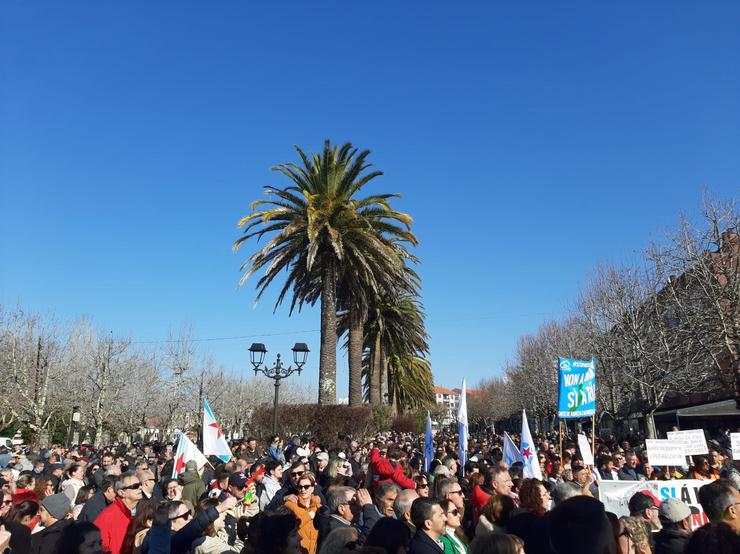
(577,390)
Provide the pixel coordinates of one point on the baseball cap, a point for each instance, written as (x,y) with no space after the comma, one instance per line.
(302,452)
(238,480)
(342,455)
(322,456)
(674,510)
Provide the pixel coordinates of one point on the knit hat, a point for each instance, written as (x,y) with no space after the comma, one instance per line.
(674,510)
(57,505)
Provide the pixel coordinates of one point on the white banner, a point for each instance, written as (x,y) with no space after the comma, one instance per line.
(693,440)
(585,448)
(665,452)
(616,495)
(735,441)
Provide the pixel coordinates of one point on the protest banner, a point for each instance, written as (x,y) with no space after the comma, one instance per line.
(577,388)
(585,448)
(693,440)
(616,495)
(735,442)
(665,452)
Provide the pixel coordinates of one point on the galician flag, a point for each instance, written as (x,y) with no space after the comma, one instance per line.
(185,452)
(529,452)
(511,452)
(214,441)
(428,444)
(462,426)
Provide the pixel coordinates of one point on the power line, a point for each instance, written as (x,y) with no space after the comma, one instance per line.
(285,333)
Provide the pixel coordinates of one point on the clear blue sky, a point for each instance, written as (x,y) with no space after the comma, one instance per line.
(529,140)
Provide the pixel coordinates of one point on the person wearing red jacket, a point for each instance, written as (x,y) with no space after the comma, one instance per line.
(114,521)
(388,468)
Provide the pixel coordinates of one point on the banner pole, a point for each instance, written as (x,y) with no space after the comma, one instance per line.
(593,437)
(560,433)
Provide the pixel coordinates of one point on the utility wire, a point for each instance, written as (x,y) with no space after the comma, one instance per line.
(285,333)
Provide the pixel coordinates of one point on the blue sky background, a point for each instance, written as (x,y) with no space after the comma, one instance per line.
(529,140)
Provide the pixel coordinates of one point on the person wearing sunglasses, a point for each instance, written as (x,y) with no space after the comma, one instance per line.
(454,539)
(305,507)
(113,522)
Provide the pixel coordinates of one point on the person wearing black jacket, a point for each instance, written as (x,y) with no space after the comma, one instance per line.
(430,521)
(53,512)
(98,502)
(344,508)
(675,516)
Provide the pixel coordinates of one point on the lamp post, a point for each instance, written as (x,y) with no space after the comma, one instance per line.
(73,437)
(277,372)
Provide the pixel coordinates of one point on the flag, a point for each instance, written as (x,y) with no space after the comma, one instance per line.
(529,452)
(187,451)
(214,440)
(428,445)
(462,426)
(511,452)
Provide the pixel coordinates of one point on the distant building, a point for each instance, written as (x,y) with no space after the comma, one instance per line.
(447,401)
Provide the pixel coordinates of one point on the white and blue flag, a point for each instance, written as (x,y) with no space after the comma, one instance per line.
(462,426)
(511,452)
(529,452)
(214,440)
(428,445)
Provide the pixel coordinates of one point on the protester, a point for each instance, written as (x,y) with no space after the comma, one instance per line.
(714,538)
(53,514)
(391,535)
(215,539)
(430,521)
(83,495)
(497,543)
(74,481)
(637,530)
(402,507)
(278,534)
(341,538)
(92,508)
(703,470)
(388,468)
(114,520)
(305,506)
(675,518)
(193,486)
(495,515)
(453,539)
(721,503)
(528,523)
(136,532)
(580,525)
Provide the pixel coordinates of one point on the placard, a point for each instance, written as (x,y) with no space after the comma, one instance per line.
(585,448)
(693,440)
(665,452)
(616,495)
(735,441)
(576,388)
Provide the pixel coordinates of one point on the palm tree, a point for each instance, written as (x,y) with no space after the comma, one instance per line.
(397,345)
(319,229)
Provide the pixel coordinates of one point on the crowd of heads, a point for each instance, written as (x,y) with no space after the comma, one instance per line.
(369,494)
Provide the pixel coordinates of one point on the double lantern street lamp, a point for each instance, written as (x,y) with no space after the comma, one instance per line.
(277,372)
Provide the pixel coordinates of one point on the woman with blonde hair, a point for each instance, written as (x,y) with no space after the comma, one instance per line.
(305,508)
(635,533)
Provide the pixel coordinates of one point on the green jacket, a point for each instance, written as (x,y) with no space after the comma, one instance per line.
(193,488)
(451,547)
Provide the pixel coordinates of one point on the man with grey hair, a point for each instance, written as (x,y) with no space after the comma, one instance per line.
(149,487)
(565,490)
(113,522)
(346,507)
(402,507)
(385,496)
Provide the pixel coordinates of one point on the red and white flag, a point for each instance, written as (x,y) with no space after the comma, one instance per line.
(187,451)
(214,440)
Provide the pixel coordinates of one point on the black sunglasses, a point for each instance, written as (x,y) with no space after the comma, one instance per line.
(455,512)
(297,473)
(304,487)
(422,486)
(132,487)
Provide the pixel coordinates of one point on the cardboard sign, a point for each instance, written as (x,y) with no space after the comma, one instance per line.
(665,452)
(616,495)
(693,440)
(735,441)
(585,448)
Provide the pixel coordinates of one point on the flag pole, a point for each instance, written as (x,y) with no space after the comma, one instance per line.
(593,437)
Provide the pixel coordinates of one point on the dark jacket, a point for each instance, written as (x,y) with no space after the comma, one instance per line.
(422,543)
(627,474)
(364,522)
(279,498)
(671,541)
(92,508)
(325,523)
(47,541)
(20,536)
(532,529)
(182,541)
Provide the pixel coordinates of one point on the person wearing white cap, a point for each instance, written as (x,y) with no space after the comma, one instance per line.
(676,532)
(322,460)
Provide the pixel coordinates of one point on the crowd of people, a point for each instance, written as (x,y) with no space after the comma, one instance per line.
(370,496)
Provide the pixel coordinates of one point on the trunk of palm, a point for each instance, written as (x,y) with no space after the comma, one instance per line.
(383,378)
(328,352)
(355,358)
(375,369)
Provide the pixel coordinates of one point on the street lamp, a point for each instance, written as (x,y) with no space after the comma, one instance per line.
(277,372)
(73,436)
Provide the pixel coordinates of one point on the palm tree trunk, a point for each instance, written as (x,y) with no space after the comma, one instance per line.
(328,352)
(355,357)
(375,369)
(383,378)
